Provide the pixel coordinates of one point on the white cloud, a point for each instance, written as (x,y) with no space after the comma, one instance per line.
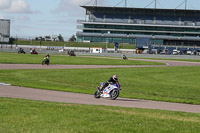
(14,6)
(4,4)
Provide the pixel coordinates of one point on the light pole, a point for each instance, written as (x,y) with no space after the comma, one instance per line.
(30,41)
(185,4)
(0,40)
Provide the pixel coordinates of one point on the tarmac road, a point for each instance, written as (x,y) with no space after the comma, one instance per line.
(67,97)
(55,96)
(39,66)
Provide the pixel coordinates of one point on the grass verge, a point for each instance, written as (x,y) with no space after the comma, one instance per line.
(172,59)
(172,84)
(34,116)
(61,59)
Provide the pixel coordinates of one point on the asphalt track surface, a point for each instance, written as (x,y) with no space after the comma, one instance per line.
(67,97)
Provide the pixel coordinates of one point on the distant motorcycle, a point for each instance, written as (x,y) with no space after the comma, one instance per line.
(124,57)
(21,51)
(45,61)
(71,53)
(33,51)
(111,91)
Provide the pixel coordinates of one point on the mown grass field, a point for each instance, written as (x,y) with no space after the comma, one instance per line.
(23,116)
(13,58)
(173,84)
(172,59)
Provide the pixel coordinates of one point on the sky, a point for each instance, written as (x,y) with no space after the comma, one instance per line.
(34,18)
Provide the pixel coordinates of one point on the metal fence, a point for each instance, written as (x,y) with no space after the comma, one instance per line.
(128,53)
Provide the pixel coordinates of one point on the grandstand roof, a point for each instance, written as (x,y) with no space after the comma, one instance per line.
(129,10)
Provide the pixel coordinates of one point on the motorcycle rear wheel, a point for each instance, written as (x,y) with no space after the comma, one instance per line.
(114,94)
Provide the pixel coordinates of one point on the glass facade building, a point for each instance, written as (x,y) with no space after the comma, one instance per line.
(4,30)
(125,25)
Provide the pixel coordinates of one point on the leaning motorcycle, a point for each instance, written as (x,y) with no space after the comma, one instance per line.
(124,57)
(111,91)
(45,61)
(21,51)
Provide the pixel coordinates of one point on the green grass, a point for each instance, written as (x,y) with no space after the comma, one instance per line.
(74,44)
(173,84)
(172,59)
(22,116)
(13,58)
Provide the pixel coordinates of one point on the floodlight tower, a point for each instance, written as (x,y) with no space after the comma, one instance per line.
(185,4)
(125,3)
(155,4)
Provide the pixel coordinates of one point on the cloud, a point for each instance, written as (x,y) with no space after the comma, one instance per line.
(4,4)
(15,6)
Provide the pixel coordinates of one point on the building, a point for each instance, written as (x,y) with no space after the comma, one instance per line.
(4,30)
(98,50)
(166,27)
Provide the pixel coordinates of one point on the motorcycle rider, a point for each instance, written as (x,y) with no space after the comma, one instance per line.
(124,57)
(112,80)
(21,50)
(47,57)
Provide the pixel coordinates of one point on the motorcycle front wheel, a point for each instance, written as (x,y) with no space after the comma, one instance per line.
(114,94)
(97,94)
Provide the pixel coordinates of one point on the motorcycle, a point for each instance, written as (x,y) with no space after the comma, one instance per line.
(33,51)
(71,53)
(111,91)
(21,51)
(45,61)
(124,57)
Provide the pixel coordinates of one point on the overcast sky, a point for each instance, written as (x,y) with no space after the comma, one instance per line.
(31,18)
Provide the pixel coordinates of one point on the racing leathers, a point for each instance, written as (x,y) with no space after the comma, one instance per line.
(110,81)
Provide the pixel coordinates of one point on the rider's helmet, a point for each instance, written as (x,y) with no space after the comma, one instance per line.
(47,55)
(115,77)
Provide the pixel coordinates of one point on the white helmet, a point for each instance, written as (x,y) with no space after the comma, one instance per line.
(115,77)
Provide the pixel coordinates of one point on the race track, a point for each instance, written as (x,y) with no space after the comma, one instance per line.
(39,66)
(67,97)
(55,96)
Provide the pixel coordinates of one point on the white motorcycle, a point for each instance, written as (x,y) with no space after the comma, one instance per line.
(111,91)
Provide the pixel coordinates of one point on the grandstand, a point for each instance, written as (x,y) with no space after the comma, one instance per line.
(4,30)
(163,27)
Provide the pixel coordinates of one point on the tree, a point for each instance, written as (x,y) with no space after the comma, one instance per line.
(47,37)
(12,40)
(39,38)
(72,39)
(60,38)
